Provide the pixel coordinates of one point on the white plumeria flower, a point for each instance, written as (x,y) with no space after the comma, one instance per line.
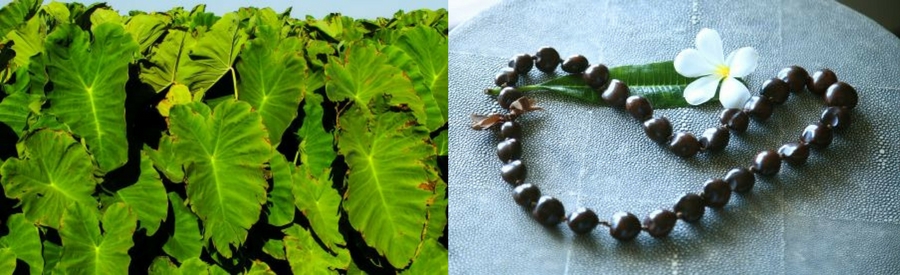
(708,60)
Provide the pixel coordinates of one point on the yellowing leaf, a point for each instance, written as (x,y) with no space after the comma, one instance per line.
(88,87)
(178,94)
(387,187)
(224,150)
(53,174)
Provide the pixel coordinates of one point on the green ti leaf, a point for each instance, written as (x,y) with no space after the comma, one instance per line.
(88,84)
(86,250)
(274,91)
(54,173)
(362,74)
(225,150)
(23,242)
(387,158)
(658,82)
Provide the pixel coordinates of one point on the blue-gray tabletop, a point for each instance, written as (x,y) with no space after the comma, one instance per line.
(838,214)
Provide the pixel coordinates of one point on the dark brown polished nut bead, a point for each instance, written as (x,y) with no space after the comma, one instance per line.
(817,136)
(615,94)
(841,95)
(794,153)
(521,63)
(507,96)
(759,108)
(836,117)
(511,129)
(639,107)
(575,64)
(526,195)
(684,144)
(506,77)
(514,172)
(509,150)
(596,76)
(689,207)
(735,119)
(546,59)
(775,90)
(714,139)
(795,76)
(548,211)
(821,80)
(766,163)
(582,221)
(740,179)
(624,226)
(659,223)
(716,193)
(658,129)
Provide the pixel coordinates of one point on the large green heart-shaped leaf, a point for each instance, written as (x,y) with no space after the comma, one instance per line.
(86,250)
(316,144)
(185,242)
(89,87)
(168,61)
(387,159)
(225,151)
(214,53)
(24,242)
(53,173)
(281,199)
(274,91)
(15,13)
(306,256)
(362,74)
(147,28)
(427,67)
(147,197)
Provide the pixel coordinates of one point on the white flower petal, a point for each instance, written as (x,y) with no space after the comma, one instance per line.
(709,43)
(701,90)
(690,63)
(742,62)
(733,93)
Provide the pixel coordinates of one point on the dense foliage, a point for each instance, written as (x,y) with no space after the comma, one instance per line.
(251,142)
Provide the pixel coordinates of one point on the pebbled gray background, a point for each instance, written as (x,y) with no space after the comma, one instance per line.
(838,214)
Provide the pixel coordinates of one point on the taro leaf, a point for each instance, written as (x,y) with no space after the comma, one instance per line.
(281,201)
(259,268)
(147,28)
(51,253)
(387,160)
(362,74)
(432,259)
(7,261)
(441,144)
(275,91)
(86,250)
(319,203)
(316,144)
(658,82)
(168,60)
(192,266)
(225,151)
(88,87)
(104,15)
(28,40)
(24,242)
(316,47)
(214,54)
(275,248)
(185,242)
(58,11)
(14,110)
(147,197)
(306,256)
(15,13)
(177,94)
(166,160)
(53,174)
(428,49)
(437,211)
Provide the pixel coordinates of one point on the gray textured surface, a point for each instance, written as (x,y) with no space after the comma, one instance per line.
(840,213)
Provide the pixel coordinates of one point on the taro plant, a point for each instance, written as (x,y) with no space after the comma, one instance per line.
(251,142)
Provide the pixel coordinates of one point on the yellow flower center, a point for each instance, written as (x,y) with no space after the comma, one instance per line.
(722,71)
